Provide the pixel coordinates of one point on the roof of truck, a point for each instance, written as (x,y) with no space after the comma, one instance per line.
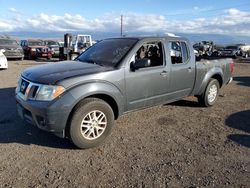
(152,37)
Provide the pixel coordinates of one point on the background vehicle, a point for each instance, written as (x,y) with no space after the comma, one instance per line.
(3,60)
(74,45)
(245,48)
(35,49)
(53,46)
(81,99)
(12,49)
(231,51)
(239,50)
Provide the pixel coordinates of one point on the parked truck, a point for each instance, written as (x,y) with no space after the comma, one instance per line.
(80,99)
(74,45)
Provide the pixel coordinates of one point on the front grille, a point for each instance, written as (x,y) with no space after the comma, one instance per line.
(42,50)
(27,90)
(33,91)
(23,86)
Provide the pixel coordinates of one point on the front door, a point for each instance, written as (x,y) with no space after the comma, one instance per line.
(148,85)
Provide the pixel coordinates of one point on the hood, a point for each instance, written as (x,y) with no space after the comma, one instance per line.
(52,73)
(38,46)
(9,47)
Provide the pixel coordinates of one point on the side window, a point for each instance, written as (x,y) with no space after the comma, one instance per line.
(179,52)
(185,51)
(175,52)
(150,52)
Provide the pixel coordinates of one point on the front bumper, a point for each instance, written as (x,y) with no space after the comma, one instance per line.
(50,116)
(35,54)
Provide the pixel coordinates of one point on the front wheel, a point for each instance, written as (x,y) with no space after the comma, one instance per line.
(210,95)
(91,123)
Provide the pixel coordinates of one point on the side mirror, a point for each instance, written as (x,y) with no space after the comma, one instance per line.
(140,63)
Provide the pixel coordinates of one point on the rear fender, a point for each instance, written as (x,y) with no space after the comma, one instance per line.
(216,73)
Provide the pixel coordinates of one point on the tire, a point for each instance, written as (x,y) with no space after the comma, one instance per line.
(85,130)
(209,97)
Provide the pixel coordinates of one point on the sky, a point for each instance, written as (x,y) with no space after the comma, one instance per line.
(226,17)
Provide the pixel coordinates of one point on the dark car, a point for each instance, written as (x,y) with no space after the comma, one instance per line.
(12,49)
(232,51)
(34,49)
(53,46)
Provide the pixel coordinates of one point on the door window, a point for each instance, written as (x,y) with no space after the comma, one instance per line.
(151,53)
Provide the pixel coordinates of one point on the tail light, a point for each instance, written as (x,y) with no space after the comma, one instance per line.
(232,66)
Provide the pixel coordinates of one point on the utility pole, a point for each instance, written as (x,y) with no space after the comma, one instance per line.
(121,25)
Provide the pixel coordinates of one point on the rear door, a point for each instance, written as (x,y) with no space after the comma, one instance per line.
(182,69)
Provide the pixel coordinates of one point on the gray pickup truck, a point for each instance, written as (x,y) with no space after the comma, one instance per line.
(80,99)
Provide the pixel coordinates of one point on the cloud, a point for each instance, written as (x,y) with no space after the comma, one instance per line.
(12,10)
(5,26)
(232,22)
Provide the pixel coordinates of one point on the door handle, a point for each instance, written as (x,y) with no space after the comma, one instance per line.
(164,73)
(189,69)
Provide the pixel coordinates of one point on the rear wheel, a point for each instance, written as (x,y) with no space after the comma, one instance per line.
(209,97)
(91,123)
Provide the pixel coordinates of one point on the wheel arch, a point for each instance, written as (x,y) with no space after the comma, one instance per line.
(107,98)
(215,74)
(218,77)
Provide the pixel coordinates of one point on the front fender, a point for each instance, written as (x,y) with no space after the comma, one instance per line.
(99,88)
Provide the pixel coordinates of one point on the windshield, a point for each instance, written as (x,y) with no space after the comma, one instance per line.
(35,43)
(8,42)
(108,52)
(51,43)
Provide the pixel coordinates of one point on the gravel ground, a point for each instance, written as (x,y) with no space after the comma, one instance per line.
(175,145)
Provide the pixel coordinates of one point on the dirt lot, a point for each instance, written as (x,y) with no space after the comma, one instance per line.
(175,145)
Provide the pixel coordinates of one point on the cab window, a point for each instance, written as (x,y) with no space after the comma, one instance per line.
(179,52)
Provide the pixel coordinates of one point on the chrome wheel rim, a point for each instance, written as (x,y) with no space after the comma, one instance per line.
(93,125)
(212,93)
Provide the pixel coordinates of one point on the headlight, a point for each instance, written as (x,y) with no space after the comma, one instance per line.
(33,49)
(49,92)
